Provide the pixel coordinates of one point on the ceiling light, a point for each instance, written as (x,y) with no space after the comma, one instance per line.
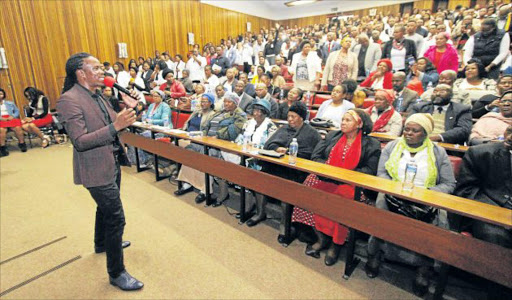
(300,2)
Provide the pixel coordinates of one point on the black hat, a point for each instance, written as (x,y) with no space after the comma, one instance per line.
(299,108)
(167,71)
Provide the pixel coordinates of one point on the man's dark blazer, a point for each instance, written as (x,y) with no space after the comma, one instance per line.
(91,135)
(458,122)
(485,175)
(245,101)
(250,90)
(222,62)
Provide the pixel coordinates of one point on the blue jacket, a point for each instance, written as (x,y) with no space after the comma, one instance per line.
(163,111)
(12,109)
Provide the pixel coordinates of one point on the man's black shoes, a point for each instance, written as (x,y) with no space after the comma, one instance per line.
(126,282)
(125,244)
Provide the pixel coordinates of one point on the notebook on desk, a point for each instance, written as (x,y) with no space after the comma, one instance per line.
(270,153)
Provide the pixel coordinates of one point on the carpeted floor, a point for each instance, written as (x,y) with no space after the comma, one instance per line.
(180,250)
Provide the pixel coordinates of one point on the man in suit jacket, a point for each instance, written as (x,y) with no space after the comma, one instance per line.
(245,99)
(452,120)
(329,46)
(368,54)
(93,126)
(485,176)
(404,97)
(221,61)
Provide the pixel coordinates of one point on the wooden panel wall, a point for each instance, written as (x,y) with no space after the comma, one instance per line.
(453,3)
(424,4)
(39,35)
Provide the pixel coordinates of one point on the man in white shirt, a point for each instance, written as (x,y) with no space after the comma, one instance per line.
(258,47)
(210,80)
(412,35)
(196,65)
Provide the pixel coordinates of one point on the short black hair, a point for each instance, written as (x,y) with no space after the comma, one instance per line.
(5,94)
(503,76)
(481,68)
(351,85)
(430,66)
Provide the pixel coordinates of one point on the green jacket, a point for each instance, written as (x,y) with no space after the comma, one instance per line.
(230,126)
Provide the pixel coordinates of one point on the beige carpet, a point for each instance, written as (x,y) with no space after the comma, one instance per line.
(180,250)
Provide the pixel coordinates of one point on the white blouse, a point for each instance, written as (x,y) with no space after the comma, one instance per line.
(421,159)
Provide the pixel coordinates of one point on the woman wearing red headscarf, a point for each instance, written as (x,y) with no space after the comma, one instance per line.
(380,78)
(384,117)
(350,148)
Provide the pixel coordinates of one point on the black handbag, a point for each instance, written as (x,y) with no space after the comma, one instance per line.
(321,122)
(410,209)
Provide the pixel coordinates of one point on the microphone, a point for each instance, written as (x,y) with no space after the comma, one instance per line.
(132,82)
(111,83)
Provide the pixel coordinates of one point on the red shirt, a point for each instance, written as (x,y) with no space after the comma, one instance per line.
(177,89)
(437,58)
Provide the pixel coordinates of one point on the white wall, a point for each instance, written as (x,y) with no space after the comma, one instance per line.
(276,10)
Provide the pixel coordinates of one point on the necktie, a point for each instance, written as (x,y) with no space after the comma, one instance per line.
(440,109)
(329,48)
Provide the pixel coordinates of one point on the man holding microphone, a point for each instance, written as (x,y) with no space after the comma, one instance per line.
(93,126)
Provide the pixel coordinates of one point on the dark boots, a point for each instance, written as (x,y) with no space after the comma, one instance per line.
(3,151)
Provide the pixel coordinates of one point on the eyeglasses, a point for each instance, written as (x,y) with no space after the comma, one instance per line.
(506,101)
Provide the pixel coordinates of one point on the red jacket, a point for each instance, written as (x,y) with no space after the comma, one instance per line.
(177,89)
(286,75)
(449,60)
(387,84)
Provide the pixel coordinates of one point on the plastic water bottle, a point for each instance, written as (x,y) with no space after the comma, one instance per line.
(398,103)
(410,173)
(308,98)
(193,104)
(281,95)
(263,140)
(292,152)
(166,122)
(247,142)
(429,85)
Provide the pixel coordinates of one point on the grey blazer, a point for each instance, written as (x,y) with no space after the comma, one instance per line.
(410,98)
(373,55)
(91,135)
(245,101)
(445,182)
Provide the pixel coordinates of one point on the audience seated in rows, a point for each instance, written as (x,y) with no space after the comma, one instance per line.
(335,108)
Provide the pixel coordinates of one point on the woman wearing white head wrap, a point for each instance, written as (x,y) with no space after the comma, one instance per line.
(434,172)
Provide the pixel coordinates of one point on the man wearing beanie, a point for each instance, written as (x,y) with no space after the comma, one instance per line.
(452,121)
(172,88)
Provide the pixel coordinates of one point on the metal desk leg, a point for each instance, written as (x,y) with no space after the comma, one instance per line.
(137,159)
(178,166)
(287,215)
(242,196)
(351,262)
(157,174)
(441,281)
(207,182)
